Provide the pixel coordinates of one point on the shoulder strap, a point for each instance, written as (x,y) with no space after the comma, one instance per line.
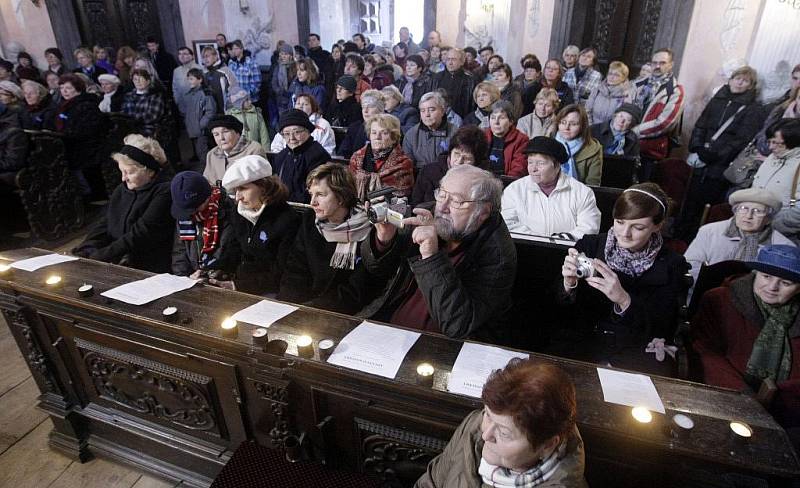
(727,124)
(793,189)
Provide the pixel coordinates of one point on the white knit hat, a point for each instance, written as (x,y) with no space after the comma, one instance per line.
(245,170)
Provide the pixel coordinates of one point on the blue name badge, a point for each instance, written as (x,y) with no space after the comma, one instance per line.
(262,236)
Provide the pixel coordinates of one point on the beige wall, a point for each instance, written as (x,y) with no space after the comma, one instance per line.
(29,25)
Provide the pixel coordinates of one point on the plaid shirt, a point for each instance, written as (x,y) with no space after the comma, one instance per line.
(582,89)
(147,108)
(248,75)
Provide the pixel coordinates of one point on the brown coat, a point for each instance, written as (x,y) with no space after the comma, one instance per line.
(457,465)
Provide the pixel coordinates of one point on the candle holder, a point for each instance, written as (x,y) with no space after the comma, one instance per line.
(260,337)
(641,415)
(6,271)
(85,290)
(305,347)
(326,347)
(230,329)
(54,282)
(681,426)
(277,347)
(425,373)
(170,314)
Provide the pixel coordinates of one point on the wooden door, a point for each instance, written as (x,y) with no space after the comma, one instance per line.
(115,23)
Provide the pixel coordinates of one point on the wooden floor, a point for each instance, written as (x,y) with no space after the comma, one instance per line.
(25,459)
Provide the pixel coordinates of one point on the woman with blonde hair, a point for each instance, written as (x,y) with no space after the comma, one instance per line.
(86,64)
(615,90)
(137,228)
(126,56)
(382,162)
(485,95)
(540,121)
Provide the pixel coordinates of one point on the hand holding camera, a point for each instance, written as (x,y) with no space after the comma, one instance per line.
(597,274)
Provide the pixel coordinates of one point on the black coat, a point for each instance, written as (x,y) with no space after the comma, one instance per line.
(656,297)
(40,116)
(354,140)
(746,123)
(459,87)
(187,255)
(256,253)
(422,85)
(95,74)
(309,279)
(428,180)
(602,132)
(470,299)
(293,166)
(136,229)
(13,143)
(165,64)
(344,114)
(84,127)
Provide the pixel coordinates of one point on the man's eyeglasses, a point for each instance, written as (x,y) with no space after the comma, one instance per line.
(442,195)
(757,212)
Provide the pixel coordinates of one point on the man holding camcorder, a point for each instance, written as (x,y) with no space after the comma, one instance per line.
(450,271)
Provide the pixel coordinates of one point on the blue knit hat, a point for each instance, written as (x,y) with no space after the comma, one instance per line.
(778,260)
(189,190)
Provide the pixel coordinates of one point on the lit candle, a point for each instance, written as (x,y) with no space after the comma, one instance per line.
(305,347)
(85,290)
(53,281)
(170,314)
(642,415)
(742,430)
(6,271)
(325,348)
(260,337)
(681,425)
(229,328)
(425,374)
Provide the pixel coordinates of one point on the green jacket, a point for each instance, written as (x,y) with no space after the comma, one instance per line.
(255,129)
(589,163)
(457,465)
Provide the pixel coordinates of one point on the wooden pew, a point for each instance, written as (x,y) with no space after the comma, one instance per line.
(176,399)
(48,190)
(619,172)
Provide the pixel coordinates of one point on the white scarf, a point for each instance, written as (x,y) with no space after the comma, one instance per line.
(105,103)
(250,215)
(500,477)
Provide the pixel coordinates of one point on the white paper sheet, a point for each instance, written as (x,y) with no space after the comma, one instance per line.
(633,390)
(32,264)
(149,289)
(264,313)
(474,364)
(374,349)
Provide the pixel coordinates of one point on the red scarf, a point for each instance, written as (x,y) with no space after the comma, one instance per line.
(209,216)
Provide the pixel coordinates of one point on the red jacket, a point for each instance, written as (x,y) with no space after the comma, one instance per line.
(723,333)
(516,162)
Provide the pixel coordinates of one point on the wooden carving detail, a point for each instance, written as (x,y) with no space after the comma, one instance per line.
(48,189)
(34,356)
(398,456)
(647,36)
(120,125)
(97,16)
(140,18)
(150,388)
(604,13)
(278,397)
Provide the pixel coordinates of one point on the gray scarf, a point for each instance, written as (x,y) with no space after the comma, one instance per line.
(346,235)
(749,243)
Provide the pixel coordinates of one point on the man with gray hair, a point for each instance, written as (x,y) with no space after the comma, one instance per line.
(458,83)
(429,138)
(449,271)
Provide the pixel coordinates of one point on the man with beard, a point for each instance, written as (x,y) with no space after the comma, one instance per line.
(449,271)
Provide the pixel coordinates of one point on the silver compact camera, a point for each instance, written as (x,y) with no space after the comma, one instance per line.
(384,207)
(585,268)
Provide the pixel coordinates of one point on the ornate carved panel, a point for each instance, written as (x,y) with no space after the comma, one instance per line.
(34,356)
(150,388)
(140,17)
(647,36)
(398,456)
(48,189)
(604,12)
(97,15)
(277,394)
(120,126)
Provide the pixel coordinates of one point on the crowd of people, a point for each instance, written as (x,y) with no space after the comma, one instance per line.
(441,127)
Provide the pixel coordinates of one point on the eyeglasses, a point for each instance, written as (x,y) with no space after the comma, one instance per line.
(776,142)
(757,212)
(294,133)
(442,195)
(567,123)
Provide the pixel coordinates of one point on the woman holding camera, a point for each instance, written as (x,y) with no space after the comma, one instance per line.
(625,286)
(382,162)
(324,268)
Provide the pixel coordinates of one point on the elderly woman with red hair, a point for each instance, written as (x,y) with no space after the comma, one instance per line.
(525,436)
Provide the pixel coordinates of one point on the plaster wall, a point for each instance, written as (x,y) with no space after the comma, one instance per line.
(23,22)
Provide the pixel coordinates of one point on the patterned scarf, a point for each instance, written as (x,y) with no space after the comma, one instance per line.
(346,235)
(772,351)
(649,89)
(748,245)
(501,477)
(615,147)
(572,148)
(209,216)
(632,263)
